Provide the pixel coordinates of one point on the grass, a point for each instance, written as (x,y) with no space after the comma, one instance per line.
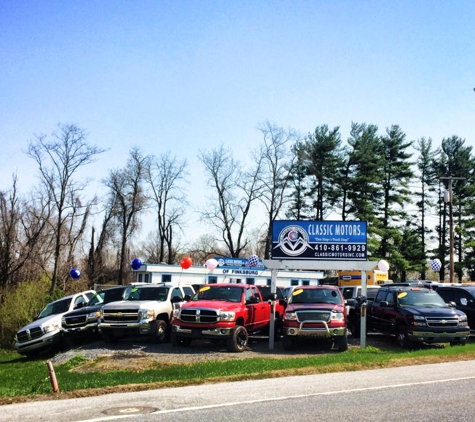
(24,380)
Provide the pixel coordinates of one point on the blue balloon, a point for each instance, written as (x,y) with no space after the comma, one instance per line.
(136,264)
(75,273)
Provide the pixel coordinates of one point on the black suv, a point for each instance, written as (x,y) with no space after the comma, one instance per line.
(464,299)
(82,323)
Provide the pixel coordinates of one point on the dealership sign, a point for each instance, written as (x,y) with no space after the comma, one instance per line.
(323,240)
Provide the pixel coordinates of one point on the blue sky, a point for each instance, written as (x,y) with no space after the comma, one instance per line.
(184,76)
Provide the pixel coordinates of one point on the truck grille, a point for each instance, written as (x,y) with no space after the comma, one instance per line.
(442,322)
(303,316)
(75,321)
(120,315)
(203,316)
(31,334)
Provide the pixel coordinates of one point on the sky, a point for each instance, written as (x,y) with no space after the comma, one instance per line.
(186,76)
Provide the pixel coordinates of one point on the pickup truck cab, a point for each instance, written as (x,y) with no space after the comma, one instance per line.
(413,314)
(145,311)
(316,312)
(45,331)
(224,311)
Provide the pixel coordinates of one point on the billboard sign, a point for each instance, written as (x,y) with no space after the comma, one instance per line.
(319,240)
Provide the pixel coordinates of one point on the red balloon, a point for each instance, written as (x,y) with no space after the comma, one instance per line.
(186,262)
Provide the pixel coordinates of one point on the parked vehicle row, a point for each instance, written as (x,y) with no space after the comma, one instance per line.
(232,312)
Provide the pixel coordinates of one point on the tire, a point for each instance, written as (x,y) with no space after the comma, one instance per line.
(458,343)
(161,331)
(289,343)
(178,341)
(402,338)
(342,343)
(238,341)
(108,336)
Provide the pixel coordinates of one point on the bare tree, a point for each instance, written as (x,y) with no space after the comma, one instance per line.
(235,191)
(165,175)
(274,179)
(127,199)
(59,159)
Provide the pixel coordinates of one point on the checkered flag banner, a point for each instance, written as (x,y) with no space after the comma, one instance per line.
(435,264)
(253,261)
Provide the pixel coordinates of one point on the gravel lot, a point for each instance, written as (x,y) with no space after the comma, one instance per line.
(199,351)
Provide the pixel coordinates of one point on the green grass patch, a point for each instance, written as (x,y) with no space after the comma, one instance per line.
(22,377)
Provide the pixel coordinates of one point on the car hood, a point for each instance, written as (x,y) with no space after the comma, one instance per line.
(85,310)
(433,311)
(293,307)
(50,319)
(212,304)
(128,304)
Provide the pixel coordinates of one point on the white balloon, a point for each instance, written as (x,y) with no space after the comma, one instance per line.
(383,265)
(211,264)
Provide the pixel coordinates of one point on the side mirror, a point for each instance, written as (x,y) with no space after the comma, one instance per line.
(176,299)
(463,301)
(79,305)
(252,300)
(350,302)
(452,304)
(187,298)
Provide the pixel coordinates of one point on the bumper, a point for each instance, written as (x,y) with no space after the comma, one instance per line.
(439,337)
(143,327)
(308,329)
(45,342)
(212,333)
(82,330)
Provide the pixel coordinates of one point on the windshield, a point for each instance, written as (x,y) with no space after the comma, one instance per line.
(230,294)
(420,298)
(59,307)
(147,293)
(97,299)
(315,296)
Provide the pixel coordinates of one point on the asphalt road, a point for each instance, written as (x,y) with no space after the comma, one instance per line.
(438,392)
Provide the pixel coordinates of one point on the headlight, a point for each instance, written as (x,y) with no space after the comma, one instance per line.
(146,313)
(94,315)
(51,327)
(290,316)
(176,313)
(226,316)
(63,321)
(463,320)
(337,316)
(419,321)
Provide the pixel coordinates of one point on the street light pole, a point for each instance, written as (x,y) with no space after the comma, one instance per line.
(448,199)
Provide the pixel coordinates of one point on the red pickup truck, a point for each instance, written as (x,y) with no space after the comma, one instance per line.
(225,311)
(316,312)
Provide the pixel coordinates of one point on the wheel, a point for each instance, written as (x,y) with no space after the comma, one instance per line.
(342,343)
(108,336)
(179,341)
(161,333)
(238,341)
(289,343)
(402,338)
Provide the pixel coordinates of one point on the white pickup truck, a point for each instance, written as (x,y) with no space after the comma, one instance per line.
(45,331)
(145,311)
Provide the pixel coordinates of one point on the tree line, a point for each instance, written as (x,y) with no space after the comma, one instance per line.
(398,186)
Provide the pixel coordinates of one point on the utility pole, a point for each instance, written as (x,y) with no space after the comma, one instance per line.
(448,199)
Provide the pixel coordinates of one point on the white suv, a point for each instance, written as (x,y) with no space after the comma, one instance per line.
(45,331)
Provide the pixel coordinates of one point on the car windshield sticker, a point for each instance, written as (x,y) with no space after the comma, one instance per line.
(297,292)
(401,295)
(203,289)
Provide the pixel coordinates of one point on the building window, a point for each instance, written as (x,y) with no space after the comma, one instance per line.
(147,278)
(269,281)
(250,280)
(305,282)
(139,278)
(294,282)
(212,279)
(166,278)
